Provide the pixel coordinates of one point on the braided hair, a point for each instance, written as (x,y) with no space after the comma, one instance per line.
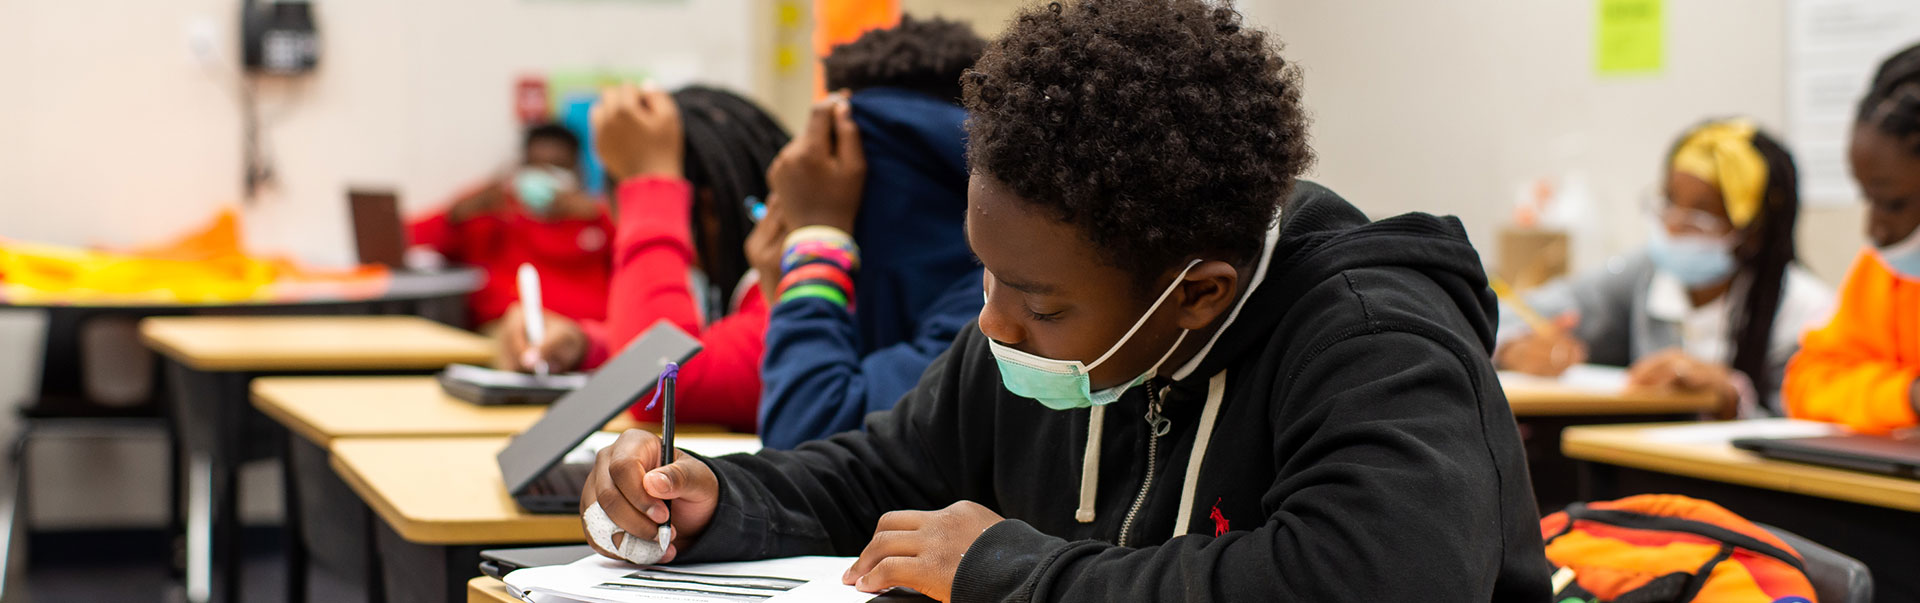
(1764,259)
(730,141)
(1892,103)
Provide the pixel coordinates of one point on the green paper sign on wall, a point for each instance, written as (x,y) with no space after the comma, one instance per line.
(1628,36)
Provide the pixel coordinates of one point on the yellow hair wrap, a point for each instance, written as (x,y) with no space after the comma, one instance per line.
(1722,154)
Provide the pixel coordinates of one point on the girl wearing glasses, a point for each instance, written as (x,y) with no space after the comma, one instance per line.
(1716,301)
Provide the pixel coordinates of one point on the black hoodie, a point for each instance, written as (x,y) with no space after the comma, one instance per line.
(1356,446)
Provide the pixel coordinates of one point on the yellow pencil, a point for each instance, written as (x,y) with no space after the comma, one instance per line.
(1534,320)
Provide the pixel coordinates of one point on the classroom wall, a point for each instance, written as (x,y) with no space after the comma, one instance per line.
(1449,106)
(116,132)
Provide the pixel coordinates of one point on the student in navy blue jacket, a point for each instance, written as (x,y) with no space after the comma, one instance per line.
(834,355)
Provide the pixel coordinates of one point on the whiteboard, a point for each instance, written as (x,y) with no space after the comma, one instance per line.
(1833,48)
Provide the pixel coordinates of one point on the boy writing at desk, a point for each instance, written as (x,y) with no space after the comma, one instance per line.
(1194,377)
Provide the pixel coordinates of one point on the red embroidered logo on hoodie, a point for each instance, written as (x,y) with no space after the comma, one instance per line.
(1219,520)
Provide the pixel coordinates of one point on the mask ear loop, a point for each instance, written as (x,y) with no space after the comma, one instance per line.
(1143,319)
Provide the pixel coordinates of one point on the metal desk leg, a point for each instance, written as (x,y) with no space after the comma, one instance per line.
(296,546)
(210,416)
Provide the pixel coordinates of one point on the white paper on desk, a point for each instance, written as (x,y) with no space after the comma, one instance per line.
(705,445)
(596,579)
(1594,378)
(1727,431)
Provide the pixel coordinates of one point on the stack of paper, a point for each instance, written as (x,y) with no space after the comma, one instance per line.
(597,579)
(1728,431)
(706,444)
(1592,378)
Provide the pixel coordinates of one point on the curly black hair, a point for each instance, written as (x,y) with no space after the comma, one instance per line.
(1164,129)
(923,55)
(1892,102)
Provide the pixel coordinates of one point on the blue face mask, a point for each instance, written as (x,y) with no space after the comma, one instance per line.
(538,186)
(1903,258)
(1066,384)
(1696,260)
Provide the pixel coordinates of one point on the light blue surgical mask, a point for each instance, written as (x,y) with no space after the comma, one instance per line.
(538,186)
(1696,260)
(1903,258)
(1067,384)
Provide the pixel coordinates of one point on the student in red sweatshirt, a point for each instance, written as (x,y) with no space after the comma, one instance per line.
(689,166)
(537,215)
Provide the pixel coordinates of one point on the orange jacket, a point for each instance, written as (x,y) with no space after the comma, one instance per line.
(1859,369)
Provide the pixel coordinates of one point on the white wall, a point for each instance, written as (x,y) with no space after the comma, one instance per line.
(1448,106)
(112,132)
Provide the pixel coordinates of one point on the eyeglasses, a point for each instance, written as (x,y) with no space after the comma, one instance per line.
(1682,220)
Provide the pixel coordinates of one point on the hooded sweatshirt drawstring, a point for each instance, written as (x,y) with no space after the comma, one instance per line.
(1090,463)
(1216,392)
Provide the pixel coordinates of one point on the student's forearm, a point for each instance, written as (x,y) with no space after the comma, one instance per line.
(653,252)
(1866,394)
(826,496)
(813,384)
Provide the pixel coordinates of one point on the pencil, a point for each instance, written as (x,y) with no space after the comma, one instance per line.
(665,534)
(1534,320)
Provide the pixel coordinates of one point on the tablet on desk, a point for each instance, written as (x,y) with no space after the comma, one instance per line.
(532,464)
(1894,457)
(489,387)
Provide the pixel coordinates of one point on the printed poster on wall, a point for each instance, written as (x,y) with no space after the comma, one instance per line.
(1833,48)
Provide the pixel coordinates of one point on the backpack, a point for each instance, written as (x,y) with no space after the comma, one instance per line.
(1665,548)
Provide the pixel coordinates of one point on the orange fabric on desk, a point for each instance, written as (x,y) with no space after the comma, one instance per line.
(207,265)
(1859,369)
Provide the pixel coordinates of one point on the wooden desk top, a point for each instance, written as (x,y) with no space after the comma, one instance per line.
(488,590)
(316,343)
(321,409)
(1530,398)
(447,491)
(1628,446)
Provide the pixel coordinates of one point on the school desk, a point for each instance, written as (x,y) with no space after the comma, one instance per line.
(337,529)
(488,590)
(441,501)
(1544,399)
(72,326)
(209,362)
(1873,518)
(1547,407)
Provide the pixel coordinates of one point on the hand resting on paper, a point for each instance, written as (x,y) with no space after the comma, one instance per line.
(920,550)
(1674,370)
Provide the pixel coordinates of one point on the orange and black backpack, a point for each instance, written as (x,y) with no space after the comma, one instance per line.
(1663,548)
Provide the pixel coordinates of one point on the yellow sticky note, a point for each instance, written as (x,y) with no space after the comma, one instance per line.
(1629,36)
